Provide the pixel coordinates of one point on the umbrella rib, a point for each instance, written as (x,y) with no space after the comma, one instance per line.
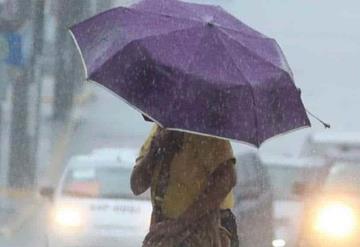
(261,36)
(199,20)
(255,54)
(245,34)
(147,12)
(251,89)
(142,12)
(165,15)
(197,51)
(137,40)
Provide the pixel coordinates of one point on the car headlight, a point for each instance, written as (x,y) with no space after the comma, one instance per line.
(68,217)
(336,219)
(278,243)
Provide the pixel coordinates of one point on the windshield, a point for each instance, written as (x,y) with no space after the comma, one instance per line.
(104,182)
(343,177)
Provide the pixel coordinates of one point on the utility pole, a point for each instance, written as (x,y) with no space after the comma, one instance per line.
(36,75)
(20,172)
(68,67)
(63,90)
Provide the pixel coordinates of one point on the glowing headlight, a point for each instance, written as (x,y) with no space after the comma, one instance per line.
(278,243)
(68,217)
(337,220)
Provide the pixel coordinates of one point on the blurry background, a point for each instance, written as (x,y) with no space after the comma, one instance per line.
(48,113)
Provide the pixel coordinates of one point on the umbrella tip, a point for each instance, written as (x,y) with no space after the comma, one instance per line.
(326,125)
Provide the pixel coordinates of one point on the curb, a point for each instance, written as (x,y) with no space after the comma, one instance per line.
(54,166)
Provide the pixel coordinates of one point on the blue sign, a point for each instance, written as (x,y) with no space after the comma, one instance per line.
(11,49)
(15,55)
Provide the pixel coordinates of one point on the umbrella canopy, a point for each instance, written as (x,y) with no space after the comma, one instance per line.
(193,67)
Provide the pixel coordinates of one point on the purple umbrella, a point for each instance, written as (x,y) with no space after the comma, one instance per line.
(194,68)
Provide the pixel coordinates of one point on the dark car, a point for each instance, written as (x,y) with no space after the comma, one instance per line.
(332,211)
(253,208)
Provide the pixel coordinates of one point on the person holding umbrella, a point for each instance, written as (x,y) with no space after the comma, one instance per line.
(204,78)
(190,177)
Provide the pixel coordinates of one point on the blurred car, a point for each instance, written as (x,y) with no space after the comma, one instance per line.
(93,204)
(285,173)
(253,202)
(330,143)
(332,211)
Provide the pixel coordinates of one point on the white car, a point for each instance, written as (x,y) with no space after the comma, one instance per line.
(330,143)
(93,205)
(285,174)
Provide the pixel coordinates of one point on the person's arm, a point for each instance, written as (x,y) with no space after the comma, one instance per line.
(219,186)
(142,172)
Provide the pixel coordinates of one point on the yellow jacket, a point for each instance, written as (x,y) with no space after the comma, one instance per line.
(190,170)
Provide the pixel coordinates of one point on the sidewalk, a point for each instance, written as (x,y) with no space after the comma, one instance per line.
(17,206)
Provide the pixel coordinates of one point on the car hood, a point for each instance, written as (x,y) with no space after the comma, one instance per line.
(129,214)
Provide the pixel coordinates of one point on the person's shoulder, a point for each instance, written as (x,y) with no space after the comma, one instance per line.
(155,128)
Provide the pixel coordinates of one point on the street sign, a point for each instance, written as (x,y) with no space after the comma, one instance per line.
(15,55)
(11,55)
(11,49)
